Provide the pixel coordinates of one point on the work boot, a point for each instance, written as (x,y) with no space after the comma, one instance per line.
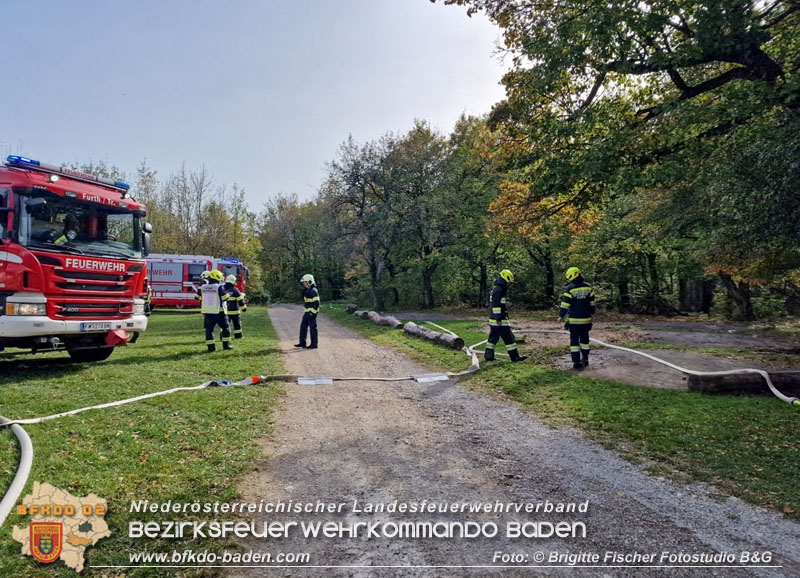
(303,345)
(211,348)
(488,355)
(226,345)
(312,346)
(585,357)
(577,365)
(515,356)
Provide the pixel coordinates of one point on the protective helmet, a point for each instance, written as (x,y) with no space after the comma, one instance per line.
(216,275)
(205,274)
(507,275)
(231,279)
(572,273)
(307,279)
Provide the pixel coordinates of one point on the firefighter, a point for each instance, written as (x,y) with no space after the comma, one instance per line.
(577,303)
(235,306)
(499,325)
(148,300)
(214,310)
(203,280)
(71,227)
(311,302)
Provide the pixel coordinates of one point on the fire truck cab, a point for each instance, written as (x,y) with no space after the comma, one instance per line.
(72,274)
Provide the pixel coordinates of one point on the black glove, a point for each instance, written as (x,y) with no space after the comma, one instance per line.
(566,324)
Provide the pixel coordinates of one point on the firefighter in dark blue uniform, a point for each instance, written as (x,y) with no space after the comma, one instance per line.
(235,306)
(499,326)
(577,303)
(213,309)
(311,303)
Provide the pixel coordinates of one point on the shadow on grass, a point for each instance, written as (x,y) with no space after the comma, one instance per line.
(18,369)
(198,353)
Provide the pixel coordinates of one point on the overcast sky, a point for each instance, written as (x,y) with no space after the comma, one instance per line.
(262,92)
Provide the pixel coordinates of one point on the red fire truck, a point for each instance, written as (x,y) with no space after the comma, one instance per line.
(175,278)
(72,274)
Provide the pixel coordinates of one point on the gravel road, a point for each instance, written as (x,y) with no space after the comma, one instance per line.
(354,444)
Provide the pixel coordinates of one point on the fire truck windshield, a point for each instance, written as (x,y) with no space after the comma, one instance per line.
(56,223)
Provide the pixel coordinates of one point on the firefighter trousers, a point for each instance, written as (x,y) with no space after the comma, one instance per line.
(308,325)
(210,321)
(495,334)
(579,342)
(236,322)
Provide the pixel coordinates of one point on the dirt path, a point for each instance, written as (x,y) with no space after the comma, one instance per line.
(380,442)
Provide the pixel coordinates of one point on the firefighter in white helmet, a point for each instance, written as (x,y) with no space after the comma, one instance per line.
(309,322)
(235,302)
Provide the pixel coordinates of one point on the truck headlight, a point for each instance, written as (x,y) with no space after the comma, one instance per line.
(138,308)
(26,309)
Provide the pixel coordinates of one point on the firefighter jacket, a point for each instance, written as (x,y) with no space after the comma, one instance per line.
(197,290)
(311,300)
(235,299)
(215,298)
(498,315)
(577,302)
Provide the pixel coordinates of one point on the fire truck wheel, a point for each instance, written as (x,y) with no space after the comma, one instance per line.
(95,354)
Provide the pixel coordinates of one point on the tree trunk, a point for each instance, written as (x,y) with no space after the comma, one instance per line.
(739,300)
(427,285)
(624,303)
(683,294)
(708,295)
(653,276)
(375,274)
(395,295)
(550,276)
(483,286)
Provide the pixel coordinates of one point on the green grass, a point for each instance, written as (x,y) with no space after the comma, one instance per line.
(745,445)
(185,447)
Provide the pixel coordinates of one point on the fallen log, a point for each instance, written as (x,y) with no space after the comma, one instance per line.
(351,308)
(361,314)
(442,338)
(384,320)
(787,382)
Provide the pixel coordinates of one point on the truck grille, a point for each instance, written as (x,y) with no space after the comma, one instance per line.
(72,309)
(76,294)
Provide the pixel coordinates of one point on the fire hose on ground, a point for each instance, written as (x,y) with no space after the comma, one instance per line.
(26,447)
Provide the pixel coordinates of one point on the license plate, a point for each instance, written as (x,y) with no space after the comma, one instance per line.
(95,326)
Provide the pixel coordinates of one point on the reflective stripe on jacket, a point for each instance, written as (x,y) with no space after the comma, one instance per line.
(498,315)
(577,301)
(235,299)
(311,299)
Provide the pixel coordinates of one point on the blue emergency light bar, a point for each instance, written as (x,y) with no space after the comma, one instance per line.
(230,260)
(26,163)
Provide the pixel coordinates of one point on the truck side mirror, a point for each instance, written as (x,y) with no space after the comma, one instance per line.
(148,228)
(145,244)
(31,204)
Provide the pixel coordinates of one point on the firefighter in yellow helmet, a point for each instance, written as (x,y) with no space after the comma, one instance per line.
(214,310)
(235,302)
(577,304)
(499,326)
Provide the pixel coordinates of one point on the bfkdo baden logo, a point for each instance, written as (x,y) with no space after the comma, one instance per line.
(62,526)
(46,540)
